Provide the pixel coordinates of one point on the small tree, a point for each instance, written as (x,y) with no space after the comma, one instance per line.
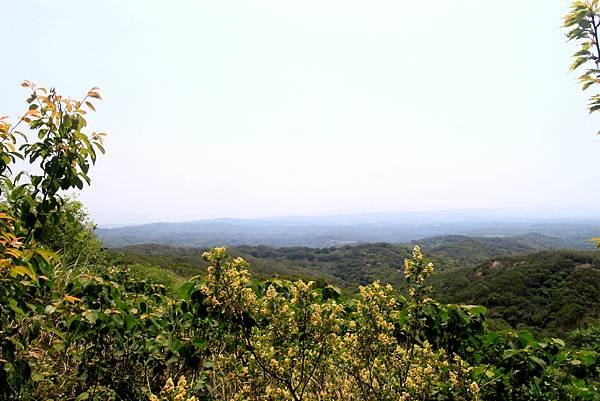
(583,22)
(61,155)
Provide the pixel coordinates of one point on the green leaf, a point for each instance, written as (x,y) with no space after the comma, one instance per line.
(526,338)
(587,357)
(100,147)
(83,396)
(200,343)
(130,322)
(578,62)
(58,346)
(23,271)
(587,85)
(490,338)
(90,315)
(46,254)
(582,53)
(537,361)
(562,356)
(13,305)
(509,353)
(67,122)
(403,317)
(186,290)
(477,309)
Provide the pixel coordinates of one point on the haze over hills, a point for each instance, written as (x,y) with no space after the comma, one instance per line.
(352,250)
(322,231)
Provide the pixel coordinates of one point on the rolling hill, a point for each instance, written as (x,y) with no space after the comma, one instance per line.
(523,280)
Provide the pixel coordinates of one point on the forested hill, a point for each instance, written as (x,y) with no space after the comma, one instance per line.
(521,280)
(549,291)
(347,266)
(466,251)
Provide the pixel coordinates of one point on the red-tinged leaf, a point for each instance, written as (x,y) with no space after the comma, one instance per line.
(94,94)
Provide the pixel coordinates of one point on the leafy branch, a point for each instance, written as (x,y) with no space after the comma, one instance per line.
(582,23)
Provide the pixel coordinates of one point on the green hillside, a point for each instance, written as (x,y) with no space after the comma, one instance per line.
(549,292)
(347,266)
(467,251)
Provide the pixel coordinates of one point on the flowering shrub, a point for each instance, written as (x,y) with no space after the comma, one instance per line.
(295,342)
(291,341)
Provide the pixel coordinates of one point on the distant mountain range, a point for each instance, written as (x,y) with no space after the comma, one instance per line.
(339,230)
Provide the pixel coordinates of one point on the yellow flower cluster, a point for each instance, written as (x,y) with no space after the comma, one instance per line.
(171,392)
(226,282)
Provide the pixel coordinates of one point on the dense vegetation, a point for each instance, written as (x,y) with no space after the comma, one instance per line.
(77,323)
(346,266)
(549,292)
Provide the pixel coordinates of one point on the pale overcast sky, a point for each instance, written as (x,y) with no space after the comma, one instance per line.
(266,108)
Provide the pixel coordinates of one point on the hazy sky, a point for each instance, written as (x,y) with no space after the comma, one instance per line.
(264,108)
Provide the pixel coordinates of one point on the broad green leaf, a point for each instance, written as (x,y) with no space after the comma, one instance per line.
(48,255)
(537,361)
(23,271)
(90,315)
